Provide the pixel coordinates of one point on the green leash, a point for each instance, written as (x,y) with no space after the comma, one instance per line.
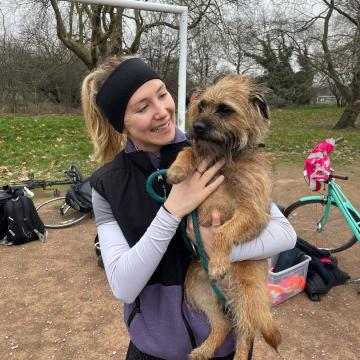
(199,244)
(203,257)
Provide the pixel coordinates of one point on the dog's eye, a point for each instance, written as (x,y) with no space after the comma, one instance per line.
(201,106)
(224,110)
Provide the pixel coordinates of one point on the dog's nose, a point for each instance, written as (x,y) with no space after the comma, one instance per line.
(199,127)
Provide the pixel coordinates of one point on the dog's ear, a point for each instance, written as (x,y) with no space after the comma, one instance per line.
(259,102)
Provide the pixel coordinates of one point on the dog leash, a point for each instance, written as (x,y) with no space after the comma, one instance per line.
(149,188)
(199,244)
(203,257)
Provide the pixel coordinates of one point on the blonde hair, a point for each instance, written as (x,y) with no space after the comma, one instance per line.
(107,142)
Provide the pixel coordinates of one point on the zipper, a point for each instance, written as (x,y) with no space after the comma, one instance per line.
(187,325)
(135,310)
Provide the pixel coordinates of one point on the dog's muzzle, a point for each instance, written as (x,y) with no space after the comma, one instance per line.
(200,128)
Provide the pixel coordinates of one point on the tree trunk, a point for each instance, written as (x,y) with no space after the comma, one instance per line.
(349,116)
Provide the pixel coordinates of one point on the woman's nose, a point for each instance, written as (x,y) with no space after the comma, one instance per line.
(160,110)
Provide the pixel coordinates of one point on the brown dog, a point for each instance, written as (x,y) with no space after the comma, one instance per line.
(229,120)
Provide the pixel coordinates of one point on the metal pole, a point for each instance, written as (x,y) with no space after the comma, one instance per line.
(182,70)
(183,11)
(133,4)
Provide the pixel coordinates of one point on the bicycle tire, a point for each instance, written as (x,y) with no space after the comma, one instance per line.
(56,214)
(304,217)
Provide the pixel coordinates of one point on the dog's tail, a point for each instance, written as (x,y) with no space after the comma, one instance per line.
(271,334)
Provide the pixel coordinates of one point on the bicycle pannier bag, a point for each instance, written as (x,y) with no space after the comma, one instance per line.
(317,165)
(23,223)
(5,196)
(79,196)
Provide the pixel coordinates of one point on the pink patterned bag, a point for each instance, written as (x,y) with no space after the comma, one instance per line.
(317,165)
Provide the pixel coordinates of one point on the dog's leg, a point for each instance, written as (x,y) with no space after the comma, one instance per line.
(246,332)
(243,347)
(251,306)
(184,165)
(202,297)
(240,228)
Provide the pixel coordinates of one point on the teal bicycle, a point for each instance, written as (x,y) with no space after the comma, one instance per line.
(327,221)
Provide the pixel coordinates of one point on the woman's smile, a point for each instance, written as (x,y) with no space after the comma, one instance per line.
(162,128)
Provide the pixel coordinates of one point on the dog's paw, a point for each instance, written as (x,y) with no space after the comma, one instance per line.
(218,270)
(175,174)
(198,354)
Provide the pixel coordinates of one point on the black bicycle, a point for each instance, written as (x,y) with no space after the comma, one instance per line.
(65,211)
(73,175)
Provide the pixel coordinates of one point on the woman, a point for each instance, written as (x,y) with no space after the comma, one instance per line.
(144,255)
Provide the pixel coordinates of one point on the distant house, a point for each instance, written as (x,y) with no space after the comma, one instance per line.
(325,99)
(323,95)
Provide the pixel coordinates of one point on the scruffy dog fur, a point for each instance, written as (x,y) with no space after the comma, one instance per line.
(229,120)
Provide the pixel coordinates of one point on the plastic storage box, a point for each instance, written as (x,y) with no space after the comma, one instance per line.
(285,284)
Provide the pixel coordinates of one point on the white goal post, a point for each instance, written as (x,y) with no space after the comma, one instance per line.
(183,12)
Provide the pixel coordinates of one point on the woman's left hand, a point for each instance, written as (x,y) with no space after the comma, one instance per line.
(206,232)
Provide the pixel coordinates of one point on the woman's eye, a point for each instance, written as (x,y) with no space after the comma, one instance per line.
(142,109)
(163,94)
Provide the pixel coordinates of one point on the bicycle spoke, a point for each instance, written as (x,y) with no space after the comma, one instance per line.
(305,217)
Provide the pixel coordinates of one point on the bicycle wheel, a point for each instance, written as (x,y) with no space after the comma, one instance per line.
(57,214)
(304,216)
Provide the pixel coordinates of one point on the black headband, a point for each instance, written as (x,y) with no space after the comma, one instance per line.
(114,95)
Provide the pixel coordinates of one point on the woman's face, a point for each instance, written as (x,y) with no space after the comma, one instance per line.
(150,117)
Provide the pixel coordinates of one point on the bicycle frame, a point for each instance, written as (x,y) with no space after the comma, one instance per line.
(336,196)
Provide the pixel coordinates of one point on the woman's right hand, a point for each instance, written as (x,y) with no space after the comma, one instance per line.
(187,195)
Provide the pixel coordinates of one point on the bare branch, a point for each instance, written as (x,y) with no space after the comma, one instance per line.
(78,49)
(341,12)
(327,53)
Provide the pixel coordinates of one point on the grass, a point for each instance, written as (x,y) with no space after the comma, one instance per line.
(47,145)
(44,145)
(295,132)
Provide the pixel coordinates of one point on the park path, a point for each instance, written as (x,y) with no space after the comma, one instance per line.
(56,303)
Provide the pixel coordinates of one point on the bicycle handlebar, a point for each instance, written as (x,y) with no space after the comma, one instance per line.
(74,176)
(340,177)
(36,184)
(338,140)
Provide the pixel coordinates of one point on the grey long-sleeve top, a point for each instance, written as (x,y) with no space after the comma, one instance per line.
(129,269)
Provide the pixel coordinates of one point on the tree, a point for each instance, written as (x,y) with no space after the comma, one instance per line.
(240,28)
(160,48)
(334,37)
(289,86)
(94,32)
(37,72)
(204,55)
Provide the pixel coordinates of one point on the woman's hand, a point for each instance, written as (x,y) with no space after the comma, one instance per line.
(206,233)
(187,195)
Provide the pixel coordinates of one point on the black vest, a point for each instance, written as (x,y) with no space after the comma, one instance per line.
(122,183)
(160,323)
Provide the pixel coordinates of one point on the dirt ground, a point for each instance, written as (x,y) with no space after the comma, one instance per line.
(56,303)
